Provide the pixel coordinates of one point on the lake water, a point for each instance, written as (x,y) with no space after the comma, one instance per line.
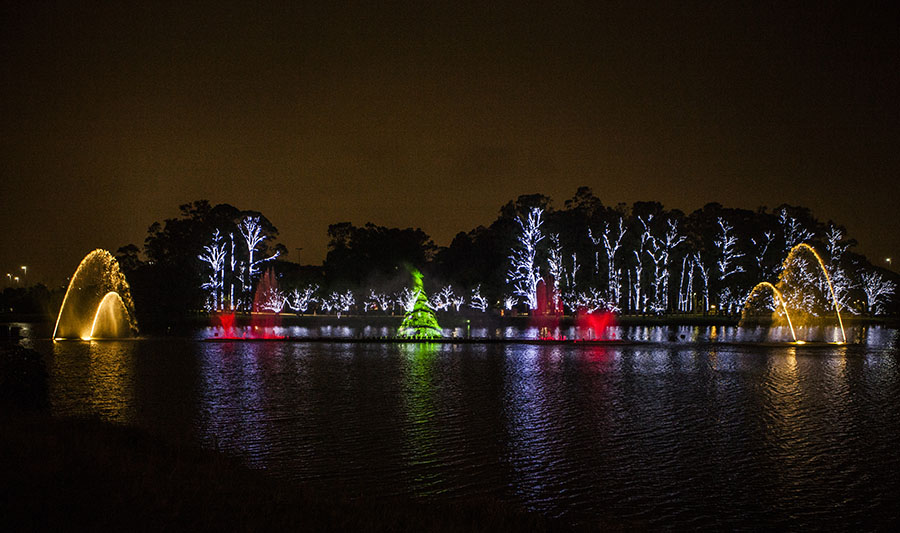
(685,433)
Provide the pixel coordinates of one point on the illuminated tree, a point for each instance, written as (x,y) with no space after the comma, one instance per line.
(405,299)
(272,299)
(419,322)
(331,302)
(762,246)
(457,301)
(703,270)
(793,230)
(664,251)
(726,244)
(645,247)
(591,301)
(841,281)
(345,302)
(801,284)
(524,273)
(477,301)
(443,299)
(378,300)
(214,255)
(877,290)
(612,241)
(300,300)
(596,241)
(556,268)
(686,285)
(252,231)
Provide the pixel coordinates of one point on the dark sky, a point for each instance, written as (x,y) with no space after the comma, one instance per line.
(408,115)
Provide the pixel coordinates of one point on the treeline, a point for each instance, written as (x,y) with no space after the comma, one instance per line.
(639,258)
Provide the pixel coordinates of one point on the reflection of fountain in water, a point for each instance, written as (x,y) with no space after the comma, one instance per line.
(98,291)
(94,379)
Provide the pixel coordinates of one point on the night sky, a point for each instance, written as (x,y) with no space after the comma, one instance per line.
(433,117)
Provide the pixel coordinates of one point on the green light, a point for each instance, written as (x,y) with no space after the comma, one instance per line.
(419,322)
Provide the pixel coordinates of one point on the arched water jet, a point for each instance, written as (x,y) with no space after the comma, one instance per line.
(110,319)
(787,261)
(777,293)
(97,275)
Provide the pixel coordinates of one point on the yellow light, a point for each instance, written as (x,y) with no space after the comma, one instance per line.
(85,337)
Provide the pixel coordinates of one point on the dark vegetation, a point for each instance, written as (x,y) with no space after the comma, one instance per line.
(166,274)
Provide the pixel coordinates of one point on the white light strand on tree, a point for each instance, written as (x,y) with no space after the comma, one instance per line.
(877,290)
(667,246)
(703,269)
(378,301)
(406,299)
(612,241)
(300,300)
(477,301)
(841,281)
(726,243)
(556,269)
(442,300)
(345,302)
(794,232)
(646,247)
(524,274)
(214,256)
(762,246)
(273,300)
(251,229)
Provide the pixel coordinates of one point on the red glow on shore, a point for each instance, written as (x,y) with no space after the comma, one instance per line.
(227,322)
(262,327)
(593,326)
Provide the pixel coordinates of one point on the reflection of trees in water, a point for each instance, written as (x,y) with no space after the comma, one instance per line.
(535,410)
(232,399)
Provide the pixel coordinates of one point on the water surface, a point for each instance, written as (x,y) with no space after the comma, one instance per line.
(691,433)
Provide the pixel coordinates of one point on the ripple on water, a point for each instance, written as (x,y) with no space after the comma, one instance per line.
(673,435)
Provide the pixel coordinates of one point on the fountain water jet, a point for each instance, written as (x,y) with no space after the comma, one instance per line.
(777,293)
(88,294)
(109,320)
(787,262)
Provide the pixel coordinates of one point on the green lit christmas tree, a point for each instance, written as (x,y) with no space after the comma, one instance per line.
(419,322)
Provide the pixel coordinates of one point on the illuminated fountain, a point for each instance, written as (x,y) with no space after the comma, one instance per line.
(794,289)
(267,305)
(779,298)
(98,301)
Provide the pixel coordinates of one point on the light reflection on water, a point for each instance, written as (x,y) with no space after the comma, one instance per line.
(663,434)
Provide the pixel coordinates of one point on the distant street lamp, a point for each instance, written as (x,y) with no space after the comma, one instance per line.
(24,273)
(17,280)
(888,259)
